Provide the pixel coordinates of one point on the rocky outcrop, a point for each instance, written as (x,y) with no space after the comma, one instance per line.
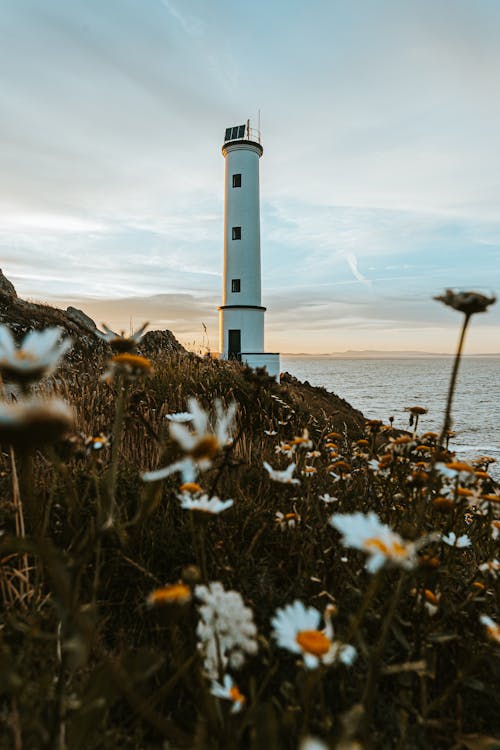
(78,316)
(6,286)
(22,316)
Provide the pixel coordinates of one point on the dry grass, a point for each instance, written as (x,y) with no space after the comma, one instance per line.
(85,664)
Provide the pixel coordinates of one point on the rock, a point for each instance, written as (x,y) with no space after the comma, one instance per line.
(80,317)
(157,342)
(6,286)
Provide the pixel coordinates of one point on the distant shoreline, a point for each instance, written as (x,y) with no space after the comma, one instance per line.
(386,355)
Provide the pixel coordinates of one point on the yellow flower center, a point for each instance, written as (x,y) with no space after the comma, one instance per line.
(236,696)
(133,361)
(177,592)
(206,447)
(20,354)
(394,549)
(313,642)
(191,487)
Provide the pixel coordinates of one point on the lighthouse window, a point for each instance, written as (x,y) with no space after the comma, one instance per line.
(235,285)
(236,180)
(236,233)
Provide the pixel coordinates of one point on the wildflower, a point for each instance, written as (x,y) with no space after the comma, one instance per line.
(326,498)
(303,441)
(119,342)
(431,601)
(452,540)
(495,529)
(97,443)
(230,692)
(36,358)
(34,422)
(492,628)
(491,566)
(270,433)
(443,503)
(295,628)
(130,366)
(285,477)
(312,743)
(466,302)
(203,504)
(284,449)
(182,417)
(312,454)
(287,520)
(200,444)
(226,630)
(367,533)
(309,471)
(174,593)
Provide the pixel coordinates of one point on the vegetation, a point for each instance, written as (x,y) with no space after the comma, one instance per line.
(130,619)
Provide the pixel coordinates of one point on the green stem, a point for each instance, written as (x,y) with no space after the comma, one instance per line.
(368,699)
(453,381)
(115,450)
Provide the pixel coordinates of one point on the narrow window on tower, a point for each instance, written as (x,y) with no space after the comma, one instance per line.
(236,180)
(235,285)
(236,233)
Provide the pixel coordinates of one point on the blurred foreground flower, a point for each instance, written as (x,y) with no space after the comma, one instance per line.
(34,422)
(230,692)
(200,443)
(204,504)
(129,366)
(285,477)
(118,341)
(295,628)
(226,630)
(466,302)
(37,356)
(367,533)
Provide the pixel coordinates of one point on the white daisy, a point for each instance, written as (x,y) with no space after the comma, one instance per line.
(204,504)
(119,342)
(228,691)
(492,628)
(285,477)
(287,520)
(295,628)
(367,533)
(37,357)
(34,422)
(182,417)
(200,442)
(326,498)
(452,540)
(491,566)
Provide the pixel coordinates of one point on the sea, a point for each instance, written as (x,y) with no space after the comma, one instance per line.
(383,387)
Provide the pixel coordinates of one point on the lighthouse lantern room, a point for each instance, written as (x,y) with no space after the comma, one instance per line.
(241,315)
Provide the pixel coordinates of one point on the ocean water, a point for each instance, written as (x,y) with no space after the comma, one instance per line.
(381,388)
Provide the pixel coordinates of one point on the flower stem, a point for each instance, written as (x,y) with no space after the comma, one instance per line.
(453,381)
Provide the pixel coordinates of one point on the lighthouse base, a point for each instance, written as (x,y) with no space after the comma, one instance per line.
(269,360)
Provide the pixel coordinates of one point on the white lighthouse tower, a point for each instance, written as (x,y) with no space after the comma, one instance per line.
(241,315)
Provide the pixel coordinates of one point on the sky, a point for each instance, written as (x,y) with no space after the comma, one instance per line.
(380,179)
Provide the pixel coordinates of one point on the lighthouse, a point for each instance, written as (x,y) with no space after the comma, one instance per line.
(241,315)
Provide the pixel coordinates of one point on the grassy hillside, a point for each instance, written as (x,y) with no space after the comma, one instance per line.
(91,657)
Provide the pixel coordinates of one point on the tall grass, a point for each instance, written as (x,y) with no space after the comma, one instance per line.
(86,663)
